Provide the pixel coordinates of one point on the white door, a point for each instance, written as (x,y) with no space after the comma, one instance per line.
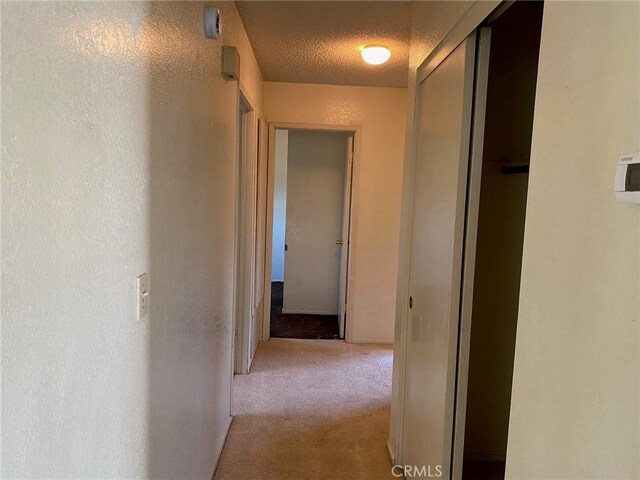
(315,201)
(470,237)
(437,233)
(245,240)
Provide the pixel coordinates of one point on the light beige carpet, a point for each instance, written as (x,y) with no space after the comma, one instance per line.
(311,410)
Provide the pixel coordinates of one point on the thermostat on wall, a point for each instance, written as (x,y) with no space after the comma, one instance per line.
(627,185)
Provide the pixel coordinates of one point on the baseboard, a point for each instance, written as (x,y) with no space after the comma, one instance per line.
(219,452)
(391,453)
(308,312)
(360,341)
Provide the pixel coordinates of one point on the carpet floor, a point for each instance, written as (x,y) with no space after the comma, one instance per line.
(297,325)
(311,410)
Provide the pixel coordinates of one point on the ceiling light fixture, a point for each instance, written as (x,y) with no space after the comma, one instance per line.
(375,54)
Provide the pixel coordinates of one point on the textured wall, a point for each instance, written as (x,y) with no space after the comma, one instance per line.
(377,187)
(576,389)
(117,158)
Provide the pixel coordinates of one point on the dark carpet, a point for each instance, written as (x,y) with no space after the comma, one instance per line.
(293,325)
(483,470)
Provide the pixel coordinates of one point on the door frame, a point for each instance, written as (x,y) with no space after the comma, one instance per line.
(346,236)
(246,157)
(356,130)
(474,177)
(473,18)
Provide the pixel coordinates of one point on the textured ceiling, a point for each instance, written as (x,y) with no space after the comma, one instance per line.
(320,42)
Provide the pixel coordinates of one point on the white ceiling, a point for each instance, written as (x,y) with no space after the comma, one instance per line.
(320,41)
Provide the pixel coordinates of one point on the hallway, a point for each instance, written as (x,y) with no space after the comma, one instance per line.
(311,410)
(477,207)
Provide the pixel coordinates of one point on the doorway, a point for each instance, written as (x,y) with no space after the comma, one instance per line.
(508,125)
(250,235)
(312,178)
(474,117)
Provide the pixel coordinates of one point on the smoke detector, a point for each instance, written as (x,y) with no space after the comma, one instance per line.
(212,22)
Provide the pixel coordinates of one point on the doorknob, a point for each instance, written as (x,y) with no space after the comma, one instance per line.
(339,242)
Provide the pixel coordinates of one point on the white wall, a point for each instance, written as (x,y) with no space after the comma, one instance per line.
(576,388)
(279,205)
(118,157)
(377,187)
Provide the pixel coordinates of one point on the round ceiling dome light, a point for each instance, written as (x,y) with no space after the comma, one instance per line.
(375,54)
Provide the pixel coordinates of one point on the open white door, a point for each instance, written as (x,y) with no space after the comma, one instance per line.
(344,242)
(314,223)
(245,272)
(444,111)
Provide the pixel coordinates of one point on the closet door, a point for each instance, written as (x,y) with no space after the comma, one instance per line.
(444,110)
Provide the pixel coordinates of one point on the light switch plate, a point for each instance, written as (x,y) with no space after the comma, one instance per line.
(143,295)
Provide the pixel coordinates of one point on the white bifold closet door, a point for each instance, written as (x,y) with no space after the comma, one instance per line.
(444,119)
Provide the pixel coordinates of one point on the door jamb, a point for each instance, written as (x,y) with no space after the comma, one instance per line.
(244,232)
(273,126)
(469,247)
